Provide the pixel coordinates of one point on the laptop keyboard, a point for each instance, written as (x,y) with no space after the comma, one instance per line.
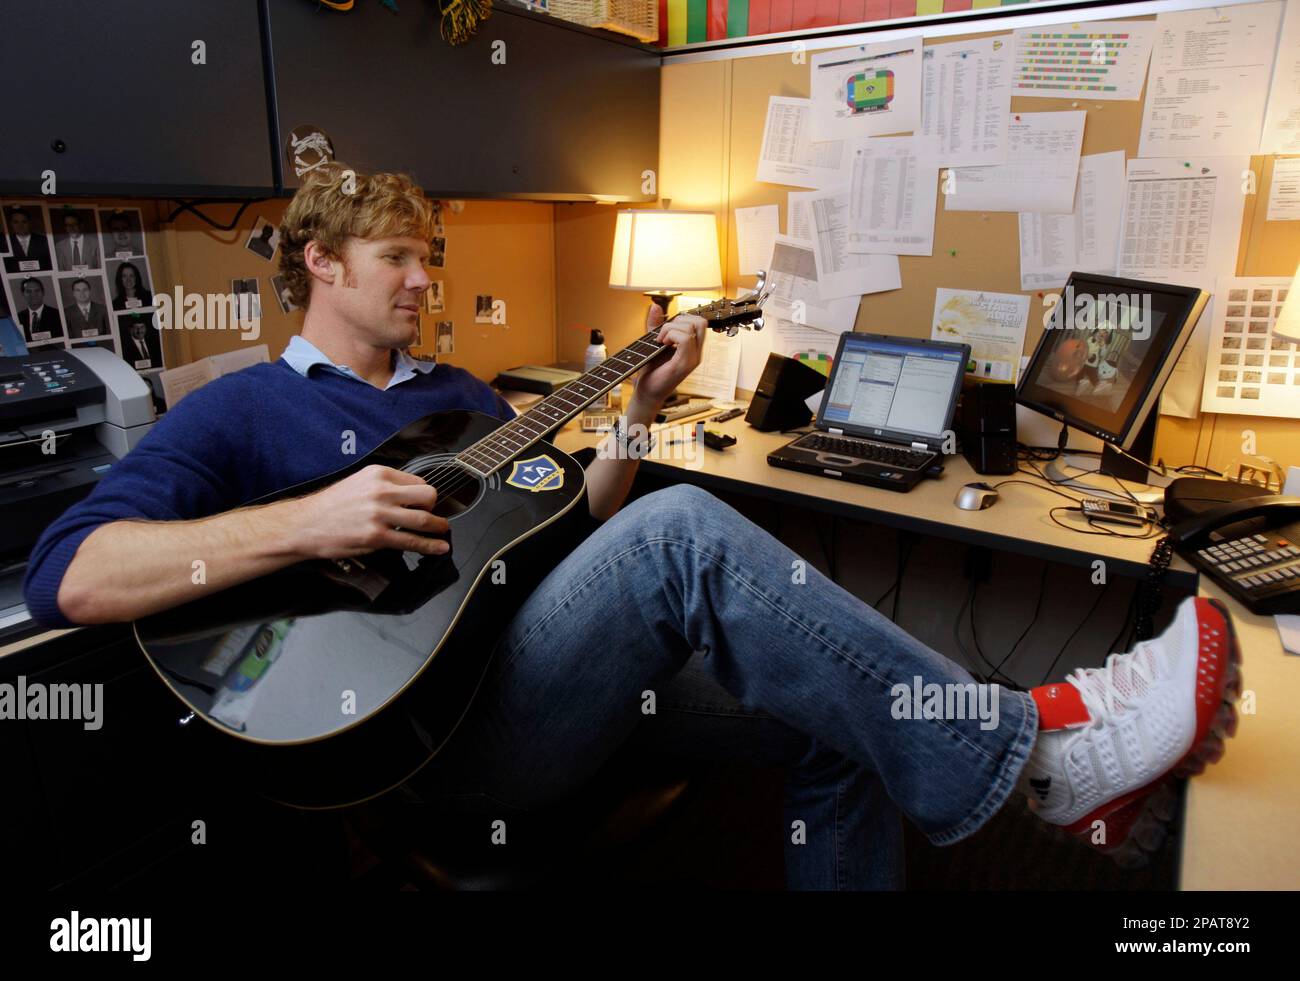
(895,456)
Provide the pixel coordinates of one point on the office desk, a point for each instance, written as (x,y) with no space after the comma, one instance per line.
(1240,825)
(1241,814)
(1017,523)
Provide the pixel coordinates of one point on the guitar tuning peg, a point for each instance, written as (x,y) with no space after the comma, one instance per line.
(733,329)
(758,323)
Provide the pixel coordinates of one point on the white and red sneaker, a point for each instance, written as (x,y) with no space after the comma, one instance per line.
(1111,738)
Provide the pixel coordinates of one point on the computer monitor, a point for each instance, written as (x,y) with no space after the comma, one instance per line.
(1106,354)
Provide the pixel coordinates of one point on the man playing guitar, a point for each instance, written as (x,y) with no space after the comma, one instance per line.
(748,662)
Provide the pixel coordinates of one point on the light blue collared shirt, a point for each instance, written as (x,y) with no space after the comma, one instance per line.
(302,355)
(11,339)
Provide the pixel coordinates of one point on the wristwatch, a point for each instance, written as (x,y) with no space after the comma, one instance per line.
(630,449)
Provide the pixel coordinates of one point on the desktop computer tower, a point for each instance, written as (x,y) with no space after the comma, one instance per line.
(986,425)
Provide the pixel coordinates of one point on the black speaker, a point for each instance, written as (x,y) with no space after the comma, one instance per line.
(986,424)
(778,401)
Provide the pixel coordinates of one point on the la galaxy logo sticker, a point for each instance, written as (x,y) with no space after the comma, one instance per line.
(538,473)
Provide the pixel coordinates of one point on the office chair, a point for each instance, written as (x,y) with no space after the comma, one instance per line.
(401,841)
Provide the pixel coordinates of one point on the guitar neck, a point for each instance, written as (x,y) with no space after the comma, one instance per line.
(508,441)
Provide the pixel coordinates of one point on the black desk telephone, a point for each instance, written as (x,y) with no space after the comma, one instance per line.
(1251,548)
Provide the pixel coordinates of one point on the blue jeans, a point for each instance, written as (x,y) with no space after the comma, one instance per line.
(682,623)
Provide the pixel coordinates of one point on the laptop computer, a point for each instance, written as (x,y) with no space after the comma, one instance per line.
(887,405)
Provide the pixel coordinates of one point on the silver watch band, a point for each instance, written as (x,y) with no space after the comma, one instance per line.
(631,450)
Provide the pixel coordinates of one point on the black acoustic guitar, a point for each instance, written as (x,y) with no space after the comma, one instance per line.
(333,681)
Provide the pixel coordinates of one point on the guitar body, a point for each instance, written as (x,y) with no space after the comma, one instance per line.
(333,681)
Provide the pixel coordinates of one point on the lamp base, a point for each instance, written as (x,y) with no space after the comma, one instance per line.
(663,300)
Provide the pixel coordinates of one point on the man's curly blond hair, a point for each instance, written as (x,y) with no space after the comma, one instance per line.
(379,206)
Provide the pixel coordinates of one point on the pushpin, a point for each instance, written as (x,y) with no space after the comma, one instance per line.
(952,252)
(1187,163)
(1017,117)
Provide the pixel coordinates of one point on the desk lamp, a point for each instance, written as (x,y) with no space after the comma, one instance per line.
(663,253)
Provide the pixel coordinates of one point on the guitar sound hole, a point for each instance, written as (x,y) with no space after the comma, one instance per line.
(458,488)
(462,496)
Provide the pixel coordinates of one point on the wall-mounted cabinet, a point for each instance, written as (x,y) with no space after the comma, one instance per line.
(530,107)
(172,98)
(135,97)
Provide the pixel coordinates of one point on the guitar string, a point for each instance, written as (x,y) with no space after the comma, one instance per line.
(464,477)
(457,468)
(650,337)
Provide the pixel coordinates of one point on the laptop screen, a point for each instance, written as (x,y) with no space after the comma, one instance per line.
(893,386)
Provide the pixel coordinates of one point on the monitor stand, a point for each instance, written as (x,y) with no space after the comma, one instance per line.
(1116,464)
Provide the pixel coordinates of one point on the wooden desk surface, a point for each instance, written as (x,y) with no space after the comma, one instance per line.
(1240,823)
(1018,522)
(1241,814)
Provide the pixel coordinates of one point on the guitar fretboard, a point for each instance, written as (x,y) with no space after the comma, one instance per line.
(508,441)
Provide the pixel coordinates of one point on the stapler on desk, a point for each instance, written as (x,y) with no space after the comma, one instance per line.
(716,439)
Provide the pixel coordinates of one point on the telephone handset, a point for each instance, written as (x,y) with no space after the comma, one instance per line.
(1251,548)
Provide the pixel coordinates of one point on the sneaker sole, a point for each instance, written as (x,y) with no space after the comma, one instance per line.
(1136,822)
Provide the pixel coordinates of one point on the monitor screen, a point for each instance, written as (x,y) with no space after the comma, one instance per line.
(893,386)
(1107,351)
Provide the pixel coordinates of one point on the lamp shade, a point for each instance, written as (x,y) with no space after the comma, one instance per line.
(665,251)
(1287,325)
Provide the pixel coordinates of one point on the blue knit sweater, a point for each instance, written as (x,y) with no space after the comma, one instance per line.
(239,438)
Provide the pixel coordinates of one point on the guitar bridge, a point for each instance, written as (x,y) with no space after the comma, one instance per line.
(356,575)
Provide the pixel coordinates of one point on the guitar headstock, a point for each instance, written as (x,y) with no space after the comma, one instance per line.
(731,315)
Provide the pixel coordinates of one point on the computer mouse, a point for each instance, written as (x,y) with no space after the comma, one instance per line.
(976,497)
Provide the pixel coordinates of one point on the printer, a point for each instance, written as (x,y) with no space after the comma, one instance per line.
(65,417)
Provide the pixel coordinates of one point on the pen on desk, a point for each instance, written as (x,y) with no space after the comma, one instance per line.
(681,439)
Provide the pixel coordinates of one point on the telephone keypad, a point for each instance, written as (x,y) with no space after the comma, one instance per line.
(1257,564)
(1260,570)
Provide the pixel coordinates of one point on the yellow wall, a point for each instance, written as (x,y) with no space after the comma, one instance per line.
(712,119)
(692,174)
(500,248)
(505,249)
(1268,248)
